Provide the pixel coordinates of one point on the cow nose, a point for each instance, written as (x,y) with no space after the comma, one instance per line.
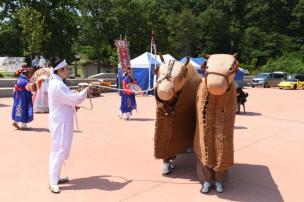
(165,90)
(165,96)
(217,85)
(216,90)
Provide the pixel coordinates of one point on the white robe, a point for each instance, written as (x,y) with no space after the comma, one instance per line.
(41,104)
(62,104)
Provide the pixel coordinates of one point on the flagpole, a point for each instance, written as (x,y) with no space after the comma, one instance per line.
(153,49)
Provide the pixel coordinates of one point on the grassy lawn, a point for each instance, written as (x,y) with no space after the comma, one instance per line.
(5,74)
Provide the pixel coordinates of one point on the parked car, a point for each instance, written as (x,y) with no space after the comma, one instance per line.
(267,79)
(293,81)
(300,77)
(291,84)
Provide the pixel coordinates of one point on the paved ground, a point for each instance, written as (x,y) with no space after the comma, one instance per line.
(112,159)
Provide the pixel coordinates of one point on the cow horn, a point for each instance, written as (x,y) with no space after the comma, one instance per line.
(156,70)
(235,55)
(204,66)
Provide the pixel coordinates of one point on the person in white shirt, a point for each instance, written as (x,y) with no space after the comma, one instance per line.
(62,103)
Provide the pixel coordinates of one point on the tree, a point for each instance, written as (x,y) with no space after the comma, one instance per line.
(183,39)
(33,32)
(59,19)
(214,31)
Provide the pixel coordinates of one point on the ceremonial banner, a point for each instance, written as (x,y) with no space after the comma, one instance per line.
(123,52)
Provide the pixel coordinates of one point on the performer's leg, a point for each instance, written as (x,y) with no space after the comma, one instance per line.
(171,159)
(219,177)
(204,173)
(128,116)
(168,165)
(55,164)
(120,114)
(61,145)
(205,176)
(56,158)
(24,125)
(15,124)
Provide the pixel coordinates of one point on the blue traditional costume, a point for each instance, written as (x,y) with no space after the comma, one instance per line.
(128,102)
(23,106)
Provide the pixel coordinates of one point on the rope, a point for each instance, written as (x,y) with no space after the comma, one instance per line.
(125,90)
(111,88)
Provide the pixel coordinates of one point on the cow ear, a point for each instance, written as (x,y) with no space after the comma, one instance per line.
(204,66)
(161,58)
(156,70)
(207,56)
(187,61)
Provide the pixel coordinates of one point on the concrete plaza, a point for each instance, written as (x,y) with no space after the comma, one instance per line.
(112,159)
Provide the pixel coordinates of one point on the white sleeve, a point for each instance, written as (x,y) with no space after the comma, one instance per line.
(69,98)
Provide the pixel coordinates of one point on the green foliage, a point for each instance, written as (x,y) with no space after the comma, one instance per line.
(291,63)
(32,28)
(184,37)
(214,31)
(268,35)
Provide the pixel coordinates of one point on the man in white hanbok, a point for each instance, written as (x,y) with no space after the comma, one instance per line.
(62,103)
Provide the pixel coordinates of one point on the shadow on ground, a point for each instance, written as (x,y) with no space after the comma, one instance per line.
(240,127)
(36,130)
(142,119)
(40,130)
(249,114)
(250,183)
(102,182)
(246,182)
(4,105)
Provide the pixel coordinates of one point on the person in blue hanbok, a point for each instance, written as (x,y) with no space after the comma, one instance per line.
(23,106)
(128,102)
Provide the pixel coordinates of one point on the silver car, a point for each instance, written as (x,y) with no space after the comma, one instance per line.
(268,79)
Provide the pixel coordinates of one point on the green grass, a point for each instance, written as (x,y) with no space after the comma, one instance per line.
(5,74)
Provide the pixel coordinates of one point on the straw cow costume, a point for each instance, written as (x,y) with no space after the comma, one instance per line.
(62,104)
(216,105)
(175,93)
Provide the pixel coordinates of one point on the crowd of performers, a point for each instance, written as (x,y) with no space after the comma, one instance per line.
(54,96)
(51,94)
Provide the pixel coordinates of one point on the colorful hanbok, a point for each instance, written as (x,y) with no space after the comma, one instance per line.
(23,106)
(128,102)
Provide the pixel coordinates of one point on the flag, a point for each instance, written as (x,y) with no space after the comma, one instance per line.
(123,52)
